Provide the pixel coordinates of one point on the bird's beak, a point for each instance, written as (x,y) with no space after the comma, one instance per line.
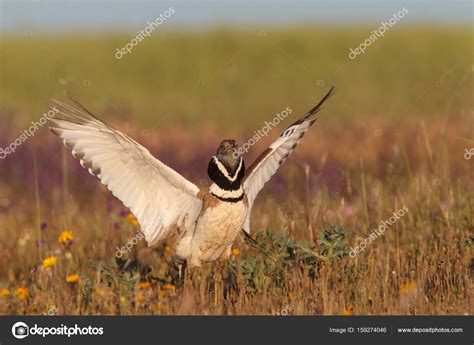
(236,153)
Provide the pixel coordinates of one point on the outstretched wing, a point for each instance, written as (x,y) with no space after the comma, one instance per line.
(161,199)
(266,165)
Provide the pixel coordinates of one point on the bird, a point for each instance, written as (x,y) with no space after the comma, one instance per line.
(201,224)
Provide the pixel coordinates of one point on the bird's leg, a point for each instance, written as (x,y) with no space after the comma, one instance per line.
(217,284)
(191,275)
(181,269)
(178,271)
(218,268)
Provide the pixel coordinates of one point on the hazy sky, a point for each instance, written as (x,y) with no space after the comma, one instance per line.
(124,15)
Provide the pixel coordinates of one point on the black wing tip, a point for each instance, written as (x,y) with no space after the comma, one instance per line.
(71,97)
(318,106)
(314,109)
(55,103)
(79,104)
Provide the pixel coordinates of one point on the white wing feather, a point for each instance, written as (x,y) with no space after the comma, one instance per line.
(159,197)
(267,164)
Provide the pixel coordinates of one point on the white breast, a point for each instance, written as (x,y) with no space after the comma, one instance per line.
(216,230)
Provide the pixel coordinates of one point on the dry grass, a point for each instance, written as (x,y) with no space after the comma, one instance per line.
(352,176)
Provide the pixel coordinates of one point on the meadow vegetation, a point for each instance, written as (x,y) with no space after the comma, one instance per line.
(394,134)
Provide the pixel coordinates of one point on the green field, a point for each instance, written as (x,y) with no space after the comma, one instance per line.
(243,75)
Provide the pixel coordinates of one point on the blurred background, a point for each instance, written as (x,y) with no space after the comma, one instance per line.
(233,65)
(396,131)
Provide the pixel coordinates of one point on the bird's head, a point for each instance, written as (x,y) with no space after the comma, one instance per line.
(228,154)
(226,170)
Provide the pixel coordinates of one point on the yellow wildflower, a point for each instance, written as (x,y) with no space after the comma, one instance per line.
(123,300)
(106,293)
(167,249)
(144,285)
(168,286)
(131,218)
(348,311)
(72,278)
(235,252)
(50,261)
(66,237)
(140,299)
(408,287)
(4,292)
(22,293)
